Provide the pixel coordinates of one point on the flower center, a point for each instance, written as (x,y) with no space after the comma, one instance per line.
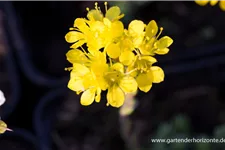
(112,77)
(142,65)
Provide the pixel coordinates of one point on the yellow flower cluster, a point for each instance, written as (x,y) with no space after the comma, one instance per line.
(212,3)
(106,56)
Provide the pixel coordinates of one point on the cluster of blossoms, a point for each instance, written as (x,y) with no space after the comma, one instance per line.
(106,56)
(212,3)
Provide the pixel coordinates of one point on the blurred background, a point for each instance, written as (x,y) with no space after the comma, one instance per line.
(45,115)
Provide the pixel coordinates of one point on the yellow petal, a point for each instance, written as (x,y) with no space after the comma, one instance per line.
(126,44)
(78,44)
(149,58)
(102,83)
(92,48)
(3,127)
(75,74)
(113,50)
(158,74)
(144,79)
(98,57)
(143,50)
(151,29)
(76,56)
(117,29)
(118,67)
(87,98)
(95,15)
(201,2)
(99,70)
(146,49)
(213,2)
(74,36)
(128,84)
(145,88)
(76,85)
(138,41)
(164,42)
(136,27)
(127,57)
(107,22)
(112,13)
(222,5)
(98,95)
(80,69)
(97,26)
(162,51)
(80,23)
(89,80)
(115,96)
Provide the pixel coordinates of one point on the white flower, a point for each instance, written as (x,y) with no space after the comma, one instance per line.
(2,98)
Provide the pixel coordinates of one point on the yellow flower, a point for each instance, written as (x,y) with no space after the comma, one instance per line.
(205,2)
(87,32)
(98,30)
(119,84)
(144,39)
(222,5)
(122,50)
(82,80)
(136,32)
(3,127)
(161,46)
(212,3)
(202,2)
(109,25)
(78,36)
(145,79)
(145,73)
(114,30)
(116,59)
(103,33)
(113,13)
(151,45)
(99,66)
(88,79)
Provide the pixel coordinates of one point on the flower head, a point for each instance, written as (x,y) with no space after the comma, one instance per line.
(115,59)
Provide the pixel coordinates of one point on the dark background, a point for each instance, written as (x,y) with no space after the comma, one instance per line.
(44,114)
